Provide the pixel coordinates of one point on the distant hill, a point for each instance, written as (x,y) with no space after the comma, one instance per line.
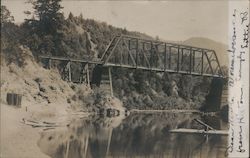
(220,48)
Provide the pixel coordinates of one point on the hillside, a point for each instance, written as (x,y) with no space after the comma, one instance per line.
(220,48)
(86,38)
(79,38)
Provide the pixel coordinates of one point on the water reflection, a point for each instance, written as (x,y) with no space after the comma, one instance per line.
(139,135)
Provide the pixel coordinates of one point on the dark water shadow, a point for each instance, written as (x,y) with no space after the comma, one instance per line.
(139,135)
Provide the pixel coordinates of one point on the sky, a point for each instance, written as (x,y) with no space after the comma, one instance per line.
(170,20)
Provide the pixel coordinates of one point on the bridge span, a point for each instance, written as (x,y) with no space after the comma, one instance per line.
(138,53)
(145,54)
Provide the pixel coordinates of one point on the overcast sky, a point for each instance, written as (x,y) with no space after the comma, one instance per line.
(170,20)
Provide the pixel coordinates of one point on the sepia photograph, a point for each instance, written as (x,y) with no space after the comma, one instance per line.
(124,79)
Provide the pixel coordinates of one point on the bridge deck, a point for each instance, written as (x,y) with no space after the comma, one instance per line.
(161,70)
(131,66)
(70,59)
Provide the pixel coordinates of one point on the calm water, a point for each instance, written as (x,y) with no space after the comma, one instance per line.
(138,135)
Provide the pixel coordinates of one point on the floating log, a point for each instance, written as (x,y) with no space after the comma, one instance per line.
(167,111)
(197,131)
(35,124)
(204,124)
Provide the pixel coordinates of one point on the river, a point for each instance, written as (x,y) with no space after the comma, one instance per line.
(135,136)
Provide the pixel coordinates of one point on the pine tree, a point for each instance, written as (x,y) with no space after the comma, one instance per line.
(49,16)
(46,24)
(71,16)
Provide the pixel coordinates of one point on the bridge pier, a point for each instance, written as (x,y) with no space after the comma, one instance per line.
(69,70)
(87,74)
(102,78)
(214,98)
(66,71)
(49,64)
(110,82)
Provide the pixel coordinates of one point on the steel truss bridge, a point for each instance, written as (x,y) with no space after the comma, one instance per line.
(137,53)
(149,55)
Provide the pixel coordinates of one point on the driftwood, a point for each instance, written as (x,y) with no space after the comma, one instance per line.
(35,124)
(196,131)
(49,123)
(162,111)
(49,128)
(207,130)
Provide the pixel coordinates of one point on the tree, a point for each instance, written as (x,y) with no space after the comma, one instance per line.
(45,28)
(6,16)
(10,36)
(81,16)
(71,16)
(9,31)
(48,14)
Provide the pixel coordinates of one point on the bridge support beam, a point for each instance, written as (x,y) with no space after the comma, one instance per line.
(69,71)
(87,74)
(48,63)
(110,82)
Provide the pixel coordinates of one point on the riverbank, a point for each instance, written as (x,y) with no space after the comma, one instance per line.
(20,128)
(45,98)
(17,139)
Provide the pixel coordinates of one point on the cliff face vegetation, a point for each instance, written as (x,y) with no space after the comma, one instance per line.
(80,38)
(151,90)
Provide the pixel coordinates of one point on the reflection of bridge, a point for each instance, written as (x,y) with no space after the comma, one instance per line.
(138,135)
(149,55)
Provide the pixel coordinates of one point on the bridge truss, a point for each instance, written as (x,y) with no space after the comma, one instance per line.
(137,53)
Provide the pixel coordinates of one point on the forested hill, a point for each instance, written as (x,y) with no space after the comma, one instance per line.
(81,37)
